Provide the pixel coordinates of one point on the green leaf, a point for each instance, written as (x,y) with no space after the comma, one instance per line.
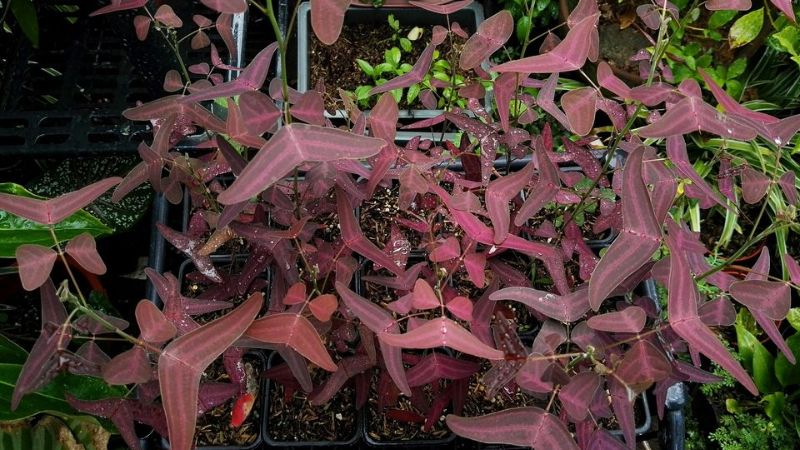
(10,352)
(392,56)
(412,94)
(734,88)
(15,231)
(692,49)
(366,67)
(794,318)
(763,369)
(720,18)
(737,68)
(394,23)
(405,44)
(25,13)
(746,28)
(50,398)
(523,28)
(397,94)
(788,39)
(775,403)
(787,373)
(404,68)
(362,92)
(382,68)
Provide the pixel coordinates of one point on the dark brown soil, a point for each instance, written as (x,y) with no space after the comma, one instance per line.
(336,64)
(213,427)
(299,421)
(714,221)
(381,427)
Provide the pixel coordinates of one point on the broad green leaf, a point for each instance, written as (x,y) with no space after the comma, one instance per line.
(362,92)
(15,231)
(763,369)
(774,404)
(392,56)
(365,67)
(788,39)
(405,44)
(393,23)
(787,373)
(746,28)
(720,18)
(10,352)
(413,92)
(50,398)
(397,94)
(404,68)
(737,68)
(382,68)
(523,28)
(25,13)
(794,318)
(734,88)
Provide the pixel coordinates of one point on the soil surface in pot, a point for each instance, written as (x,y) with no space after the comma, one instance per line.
(336,64)
(214,427)
(293,419)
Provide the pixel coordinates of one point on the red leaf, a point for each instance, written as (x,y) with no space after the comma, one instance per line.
(142,26)
(379,321)
(544,190)
(173,81)
(295,331)
(638,239)
(259,112)
(83,250)
(461,307)
(383,118)
(437,366)
(448,249)
(505,88)
(728,5)
(568,55)
(327,17)
(567,308)
(578,394)
(310,108)
(295,295)
(676,151)
(490,36)
(226,6)
(643,364)
(250,79)
(754,185)
(184,360)
(354,238)
(167,16)
(323,307)
(693,114)
(785,6)
(291,146)
(684,319)
(475,263)
(629,320)
(442,7)
(442,332)
(524,427)
(759,272)
(53,211)
(771,298)
(580,106)
(499,193)
(118,5)
(35,264)
(128,367)
(787,184)
(423,296)
(152,323)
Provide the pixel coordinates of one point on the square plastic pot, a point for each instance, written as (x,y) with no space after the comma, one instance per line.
(469,17)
